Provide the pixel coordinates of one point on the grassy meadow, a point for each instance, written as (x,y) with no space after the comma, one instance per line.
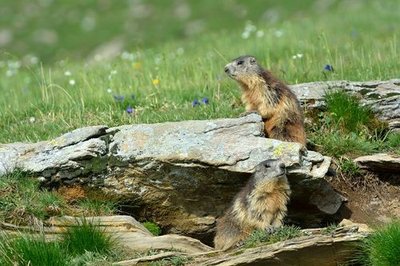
(69,64)
(50,88)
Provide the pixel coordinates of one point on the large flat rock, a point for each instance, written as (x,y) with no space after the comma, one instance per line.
(381,162)
(179,174)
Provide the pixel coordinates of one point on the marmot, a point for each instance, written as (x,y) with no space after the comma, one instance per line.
(261,204)
(271,98)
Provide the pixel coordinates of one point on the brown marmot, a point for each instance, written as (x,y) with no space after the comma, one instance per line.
(271,98)
(261,204)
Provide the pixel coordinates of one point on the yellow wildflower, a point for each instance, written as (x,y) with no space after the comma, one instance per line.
(137,65)
(156,82)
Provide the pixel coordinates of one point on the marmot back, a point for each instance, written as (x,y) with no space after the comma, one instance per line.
(271,98)
(261,204)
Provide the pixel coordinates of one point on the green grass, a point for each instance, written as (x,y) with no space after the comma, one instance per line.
(329,229)
(40,103)
(349,168)
(347,128)
(337,144)
(381,248)
(281,234)
(30,250)
(96,207)
(153,228)
(87,237)
(74,29)
(347,113)
(171,261)
(85,244)
(23,202)
(393,142)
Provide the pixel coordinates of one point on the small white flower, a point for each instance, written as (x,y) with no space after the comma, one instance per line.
(32,119)
(250,27)
(9,73)
(278,33)
(180,51)
(158,59)
(14,64)
(260,33)
(297,56)
(67,73)
(72,82)
(245,35)
(113,72)
(128,56)
(109,90)
(34,60)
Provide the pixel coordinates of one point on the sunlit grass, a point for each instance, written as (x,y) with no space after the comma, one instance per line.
(82,244)
(30,250)
(23,202)
(348,128)
(87,236)
(381,248)
(42,102)
(280,234)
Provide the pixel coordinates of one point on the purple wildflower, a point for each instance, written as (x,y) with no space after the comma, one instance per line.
(195,103)
(130,110)
(328,68)
(205,100)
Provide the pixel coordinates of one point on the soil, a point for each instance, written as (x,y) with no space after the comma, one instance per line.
(372,199)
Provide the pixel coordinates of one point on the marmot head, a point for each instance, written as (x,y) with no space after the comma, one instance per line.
(243,66)
(269,170)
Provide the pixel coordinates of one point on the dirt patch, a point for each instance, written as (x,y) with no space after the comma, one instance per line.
(372,199)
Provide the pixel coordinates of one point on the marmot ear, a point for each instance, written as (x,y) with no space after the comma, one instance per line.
(252,60)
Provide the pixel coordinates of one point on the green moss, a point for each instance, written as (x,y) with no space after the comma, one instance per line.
(153,228)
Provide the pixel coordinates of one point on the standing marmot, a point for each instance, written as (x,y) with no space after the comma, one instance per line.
(261,204)
(276,103)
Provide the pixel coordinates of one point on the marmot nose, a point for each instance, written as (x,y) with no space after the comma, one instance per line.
(281,166)
(226,69)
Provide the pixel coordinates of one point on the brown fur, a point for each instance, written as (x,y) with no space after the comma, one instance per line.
(259,205)
(272,99)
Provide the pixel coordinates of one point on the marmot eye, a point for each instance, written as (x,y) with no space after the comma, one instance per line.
(240,62)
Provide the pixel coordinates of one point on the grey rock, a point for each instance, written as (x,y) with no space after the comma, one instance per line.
(380,162)
(317,248)
(79,135)
(10,155)
(181,174)
(382,96)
